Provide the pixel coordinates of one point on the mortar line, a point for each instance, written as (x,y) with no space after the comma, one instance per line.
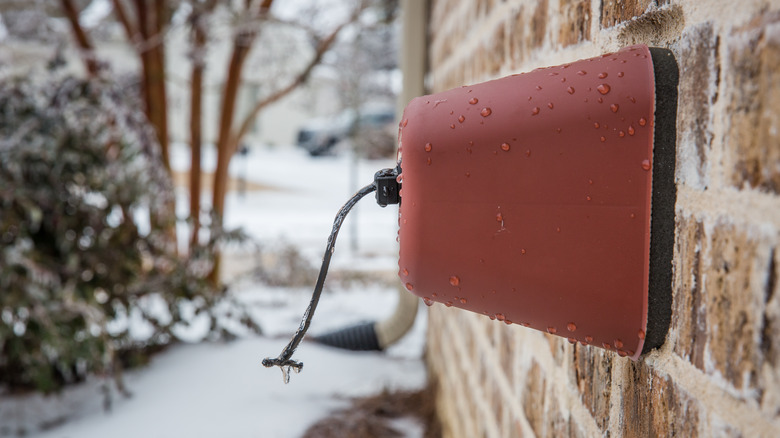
(749,207)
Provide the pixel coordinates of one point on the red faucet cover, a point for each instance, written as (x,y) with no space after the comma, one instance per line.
(528,198)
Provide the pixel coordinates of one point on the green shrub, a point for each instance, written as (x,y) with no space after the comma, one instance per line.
(86,240)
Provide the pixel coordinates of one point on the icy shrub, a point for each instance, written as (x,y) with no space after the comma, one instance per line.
(87,254)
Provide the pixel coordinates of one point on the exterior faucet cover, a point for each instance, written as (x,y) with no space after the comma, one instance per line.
(528,198)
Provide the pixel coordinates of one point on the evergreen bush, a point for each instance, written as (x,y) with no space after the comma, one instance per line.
(87,251)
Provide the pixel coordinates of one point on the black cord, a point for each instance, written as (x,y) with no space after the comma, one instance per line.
(284,360)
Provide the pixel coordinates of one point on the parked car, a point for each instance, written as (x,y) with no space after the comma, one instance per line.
(373,132)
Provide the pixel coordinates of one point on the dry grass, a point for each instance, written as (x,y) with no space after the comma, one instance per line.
(372,416)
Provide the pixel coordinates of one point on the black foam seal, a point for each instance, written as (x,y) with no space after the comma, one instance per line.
(659,312)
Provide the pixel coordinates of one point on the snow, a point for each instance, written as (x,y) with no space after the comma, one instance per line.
(221,389)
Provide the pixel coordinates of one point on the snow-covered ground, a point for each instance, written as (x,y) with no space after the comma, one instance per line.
(207,389)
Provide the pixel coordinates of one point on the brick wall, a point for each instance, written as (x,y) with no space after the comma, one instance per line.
(718,373)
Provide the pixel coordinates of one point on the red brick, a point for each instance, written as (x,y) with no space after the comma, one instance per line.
(698,91)
(753,139)
(618,11)
(518,41)
(593,378)
(689,322)
(575,25)
(654,406)
(539,24)
(533,398)
(734,297)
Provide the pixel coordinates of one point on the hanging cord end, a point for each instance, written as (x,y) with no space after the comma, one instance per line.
(285,365)
(388,192)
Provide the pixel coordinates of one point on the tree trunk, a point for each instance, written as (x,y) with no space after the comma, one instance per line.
(196,93)
(152,51)
(224,150)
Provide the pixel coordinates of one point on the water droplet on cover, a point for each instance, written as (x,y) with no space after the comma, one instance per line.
(614,107)
(596,125)
(642,121)
(428,161)
(463,301)
(461,119)
(535,111)
(606,345)
(428,302)
(452,126)
(641,335)
(500,316)
(621,134)
(448,304)
(589,339)
(428,147)
(538,87)
(571,326)
(646,164)
(485,112)
(618,343)
(550,105)
(406,272)
(630,130)
(620,74)
(603,139)
(582,72)
(409,287)
(603,75)
(571,340)
(499,217)
(522,251)
(454,280)
(552,330)
(473,101)
(570,90)
(505,147)
(404,122)
(603,88)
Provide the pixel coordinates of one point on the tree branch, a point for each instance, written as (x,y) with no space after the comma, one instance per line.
(130,30)
(302,77)
(86,47)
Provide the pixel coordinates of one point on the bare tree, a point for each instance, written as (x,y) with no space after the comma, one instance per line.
(145,24)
